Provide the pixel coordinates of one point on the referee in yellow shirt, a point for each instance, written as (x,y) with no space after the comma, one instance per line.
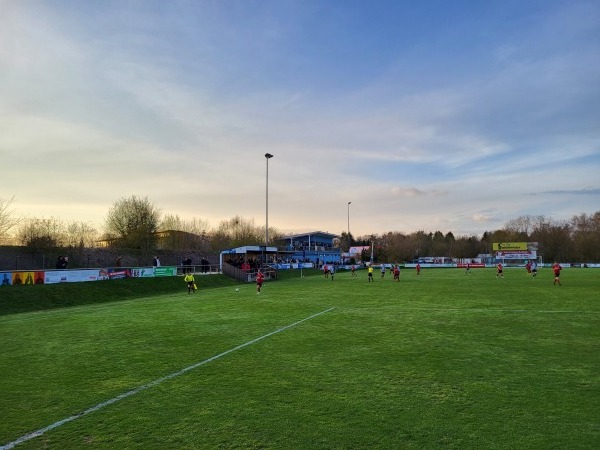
(191,283)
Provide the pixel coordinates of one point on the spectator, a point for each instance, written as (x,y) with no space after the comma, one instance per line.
(62,262)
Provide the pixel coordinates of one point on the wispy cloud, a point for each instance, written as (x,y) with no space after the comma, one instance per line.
(414,192)
(585,191)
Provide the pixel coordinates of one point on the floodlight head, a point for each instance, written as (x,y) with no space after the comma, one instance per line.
(268,155)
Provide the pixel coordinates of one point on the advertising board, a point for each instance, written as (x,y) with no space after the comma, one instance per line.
(506,246)
(520,255)
(165,271)
(5,278)
(56,276)
(142,272)
(76,276)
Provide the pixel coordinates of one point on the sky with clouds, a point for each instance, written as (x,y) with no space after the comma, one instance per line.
(431,115)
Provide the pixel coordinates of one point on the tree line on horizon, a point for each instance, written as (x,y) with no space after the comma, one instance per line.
(136,225)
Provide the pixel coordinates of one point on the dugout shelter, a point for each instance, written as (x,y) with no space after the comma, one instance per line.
(243,263)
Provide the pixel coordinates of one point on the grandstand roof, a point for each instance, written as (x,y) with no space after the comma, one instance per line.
(312,233)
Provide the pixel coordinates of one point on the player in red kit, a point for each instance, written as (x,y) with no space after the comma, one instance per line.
(499,273)
(556,268)
(260,278)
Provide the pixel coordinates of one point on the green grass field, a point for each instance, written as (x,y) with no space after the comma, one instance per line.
(446,360)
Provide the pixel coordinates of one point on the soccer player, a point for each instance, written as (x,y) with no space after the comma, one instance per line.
(533,269)
(468,269)
(418,267)
(397,273)
(382,270)
(370,272)
(353,270)
(326,271)
(556,269)
(260,278)
(191,283)
(332,271)
(499,273)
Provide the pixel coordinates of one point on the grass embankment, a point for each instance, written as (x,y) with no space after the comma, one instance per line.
(19,299)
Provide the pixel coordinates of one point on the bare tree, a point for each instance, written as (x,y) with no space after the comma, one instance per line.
(400,247)
(237,232)
(554,239)
(421,244)
(467,247)
(585,231)
(184,234)
(7,218)
(174,222)
(439,246)
(80,236)
(42,235)
(131,224)
(520,227)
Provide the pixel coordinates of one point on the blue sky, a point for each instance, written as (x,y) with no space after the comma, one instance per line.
(431,115)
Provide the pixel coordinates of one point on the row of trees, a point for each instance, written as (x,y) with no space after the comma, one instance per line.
(137,226)
(576,240)
(134,226)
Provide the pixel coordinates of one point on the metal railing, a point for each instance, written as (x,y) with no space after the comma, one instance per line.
(199,270)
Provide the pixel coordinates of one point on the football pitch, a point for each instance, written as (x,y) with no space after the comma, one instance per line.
(443,360)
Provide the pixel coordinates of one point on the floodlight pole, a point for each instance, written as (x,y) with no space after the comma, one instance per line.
(349,243)
(267,157)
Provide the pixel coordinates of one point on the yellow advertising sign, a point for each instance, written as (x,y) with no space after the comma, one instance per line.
(507,246)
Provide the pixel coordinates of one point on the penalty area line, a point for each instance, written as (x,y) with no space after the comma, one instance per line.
(139,389)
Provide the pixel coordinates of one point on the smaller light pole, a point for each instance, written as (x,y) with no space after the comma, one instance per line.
(372,247)
(267,156)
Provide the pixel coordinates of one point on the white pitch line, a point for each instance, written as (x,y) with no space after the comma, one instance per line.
(57,424)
